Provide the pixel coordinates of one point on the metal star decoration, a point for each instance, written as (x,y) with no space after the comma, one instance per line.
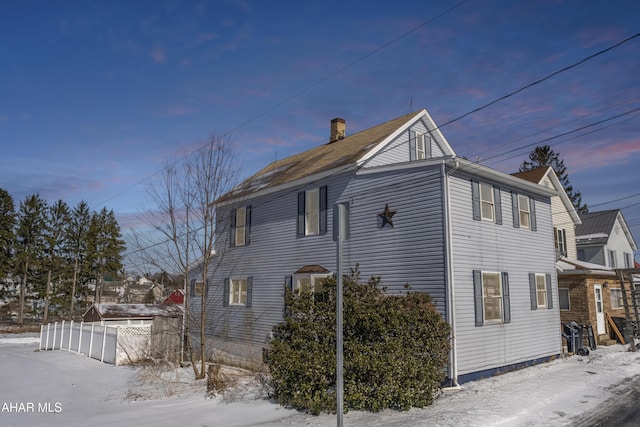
(387,216)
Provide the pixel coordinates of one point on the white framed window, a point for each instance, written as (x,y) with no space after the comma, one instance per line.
(563,295)
(560,239)
(241,218)
(612,259)
(492,297)
(238,291)
(616,299)
(198,288)
(308,282)
(421,149)
(487,204)
(312,212)
(524,211)
(627,260)
(541,290)
(240,226)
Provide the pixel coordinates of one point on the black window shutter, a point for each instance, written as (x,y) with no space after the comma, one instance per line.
(506,299)
(247,226)
(497,203)
(232,231)
(532,214)
(549,294)
(301,207)
(206,288)
(516,211)
(412,145)
(249,291)
(225,293)
(533,291)
(323,209)
(192,287)
(477,294)
(475,199)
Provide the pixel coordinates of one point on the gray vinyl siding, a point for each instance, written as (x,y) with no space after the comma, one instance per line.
(409,253)
(483,245)
(397,151)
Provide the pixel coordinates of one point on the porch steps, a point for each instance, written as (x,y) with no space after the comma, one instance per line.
(604,340)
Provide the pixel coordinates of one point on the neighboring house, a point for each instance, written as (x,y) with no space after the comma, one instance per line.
(565,217)
(130,313)
(175,297)
(479,241)
(604,238)
(588,291)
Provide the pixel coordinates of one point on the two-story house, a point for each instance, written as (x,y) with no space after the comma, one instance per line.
(588,250)
(479,241)
(604,238)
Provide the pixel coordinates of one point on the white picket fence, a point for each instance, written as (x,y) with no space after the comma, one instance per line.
(117,344)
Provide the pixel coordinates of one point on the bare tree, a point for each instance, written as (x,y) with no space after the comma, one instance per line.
(183,231)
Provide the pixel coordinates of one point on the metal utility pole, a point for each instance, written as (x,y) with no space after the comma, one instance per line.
(339,320)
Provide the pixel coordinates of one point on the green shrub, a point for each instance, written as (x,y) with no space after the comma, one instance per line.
(396,349)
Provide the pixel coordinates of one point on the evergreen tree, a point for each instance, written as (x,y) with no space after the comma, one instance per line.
(7,233)
(544,156)
(29,245)
(77,236)
(104,248)
(57,221)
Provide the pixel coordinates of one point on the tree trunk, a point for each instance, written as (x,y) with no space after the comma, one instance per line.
(45,315)
(23,291)
(73,290)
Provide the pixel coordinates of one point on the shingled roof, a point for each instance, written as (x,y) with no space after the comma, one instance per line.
(533,175)
(131,311)
(596,226)
(332,155)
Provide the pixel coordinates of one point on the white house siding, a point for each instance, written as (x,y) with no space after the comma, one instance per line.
(410,252)
(619,243)
(397,151)
(481,245)
(562,220)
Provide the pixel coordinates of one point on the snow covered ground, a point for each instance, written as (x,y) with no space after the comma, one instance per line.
(57,388)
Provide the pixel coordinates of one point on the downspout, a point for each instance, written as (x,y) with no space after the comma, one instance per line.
(450,295)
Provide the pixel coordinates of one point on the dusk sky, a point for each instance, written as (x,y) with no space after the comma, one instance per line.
(95,96)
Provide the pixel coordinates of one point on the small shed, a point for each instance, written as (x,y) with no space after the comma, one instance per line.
(175,297)
(130,313)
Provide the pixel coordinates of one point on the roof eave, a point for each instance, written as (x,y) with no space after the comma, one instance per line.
(492,174)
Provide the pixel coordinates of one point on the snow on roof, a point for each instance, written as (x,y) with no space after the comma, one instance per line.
(122,311)
(592,236)
(573,265)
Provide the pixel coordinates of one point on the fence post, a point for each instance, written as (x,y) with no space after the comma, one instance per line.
(55,330)
(40,344)
(91,339)
(104,341)
(46,346)
(61,334)
(70,334)
(80,337)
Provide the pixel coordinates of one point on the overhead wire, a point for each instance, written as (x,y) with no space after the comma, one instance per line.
(458,118)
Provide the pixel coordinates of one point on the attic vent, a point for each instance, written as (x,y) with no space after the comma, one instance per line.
(338,129)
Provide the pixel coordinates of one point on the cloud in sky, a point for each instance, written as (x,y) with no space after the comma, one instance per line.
(158,55)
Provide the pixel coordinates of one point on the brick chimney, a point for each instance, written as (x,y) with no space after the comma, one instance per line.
(338,128)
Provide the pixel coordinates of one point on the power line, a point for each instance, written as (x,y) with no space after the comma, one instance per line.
(549,76)
(304,90)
